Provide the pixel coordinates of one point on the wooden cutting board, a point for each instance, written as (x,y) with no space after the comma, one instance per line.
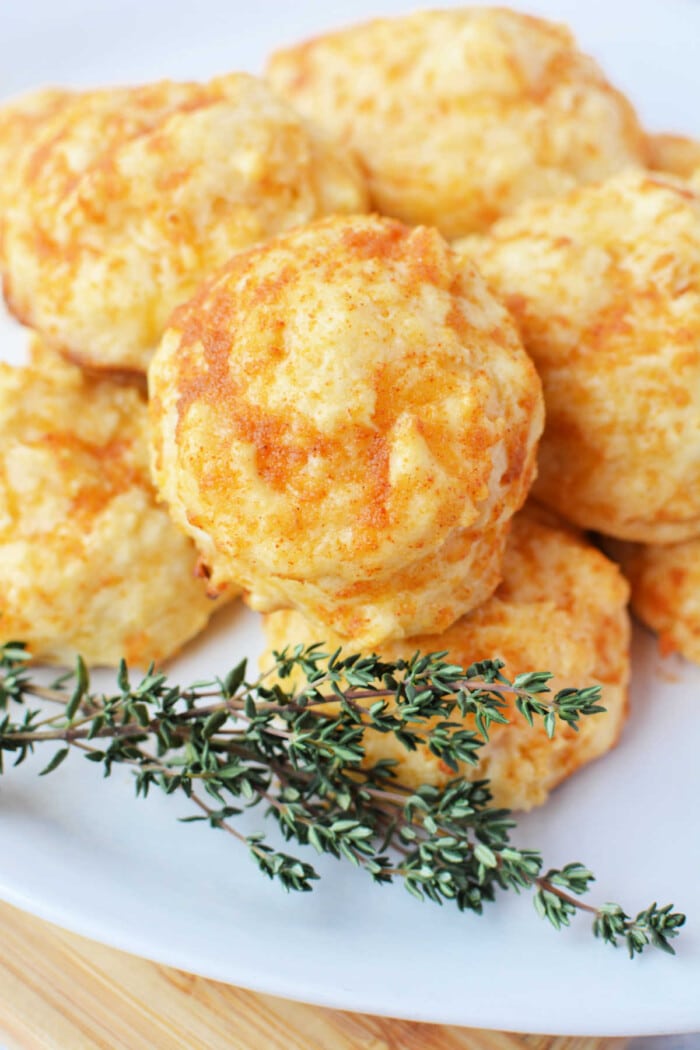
(62,992)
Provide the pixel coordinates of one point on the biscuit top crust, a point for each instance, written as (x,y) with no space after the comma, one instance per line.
(337,402)
(126,198)
(89,563)
(604,285)
(69,447)
(459,115)
(21,121)
(608,264)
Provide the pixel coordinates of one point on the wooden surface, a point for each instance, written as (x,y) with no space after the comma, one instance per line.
(62,992)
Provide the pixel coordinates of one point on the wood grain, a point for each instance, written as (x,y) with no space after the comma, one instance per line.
(59,991)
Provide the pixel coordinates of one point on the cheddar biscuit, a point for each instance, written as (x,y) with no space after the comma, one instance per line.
(88,562)
(128,197)
(460,115)
(561,607)
(604,285)
(344,420)
(20,123)
(665,585)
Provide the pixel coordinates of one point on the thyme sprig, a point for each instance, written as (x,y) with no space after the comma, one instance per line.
(298,750)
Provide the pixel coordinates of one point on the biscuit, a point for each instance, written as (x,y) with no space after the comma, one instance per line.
(128,197)
(604,285)
(665,585)
(88,562)
(460,115)
(561,607)
(20,122)
(344,421)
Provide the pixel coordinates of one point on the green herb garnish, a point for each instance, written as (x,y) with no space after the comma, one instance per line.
(232,743)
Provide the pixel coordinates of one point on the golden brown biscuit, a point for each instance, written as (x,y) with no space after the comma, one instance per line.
(666,592)
(674,154)
(460,115)
(604,285)
(561,607)
(128,197)
(344,421)
(88,562)
(20,122)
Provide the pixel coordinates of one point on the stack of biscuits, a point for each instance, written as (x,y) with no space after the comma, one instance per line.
(396,327)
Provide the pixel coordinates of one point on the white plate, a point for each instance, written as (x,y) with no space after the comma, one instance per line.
(86,854)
